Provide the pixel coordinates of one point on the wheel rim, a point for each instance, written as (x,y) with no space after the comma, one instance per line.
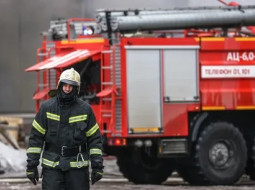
(219,154)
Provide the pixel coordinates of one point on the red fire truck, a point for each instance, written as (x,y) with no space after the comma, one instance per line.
(171,89)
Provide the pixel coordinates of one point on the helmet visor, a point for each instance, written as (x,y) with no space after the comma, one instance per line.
(69,82)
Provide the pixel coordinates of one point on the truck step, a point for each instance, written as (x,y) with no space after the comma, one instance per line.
(107,67)
(107,115)
(107,83)
(107,99)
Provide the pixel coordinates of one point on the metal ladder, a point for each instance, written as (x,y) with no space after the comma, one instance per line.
(43,54)
(110,101)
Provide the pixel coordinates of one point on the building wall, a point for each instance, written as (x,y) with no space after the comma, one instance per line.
(22,21)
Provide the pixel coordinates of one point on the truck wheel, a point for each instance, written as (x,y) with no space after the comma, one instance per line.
(220,155)
(140,168)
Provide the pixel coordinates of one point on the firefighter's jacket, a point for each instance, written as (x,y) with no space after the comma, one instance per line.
(65,125)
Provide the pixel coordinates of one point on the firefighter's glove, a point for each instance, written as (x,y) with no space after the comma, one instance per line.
(32,174)
(96,175)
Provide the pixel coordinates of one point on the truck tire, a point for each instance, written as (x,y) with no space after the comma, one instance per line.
(140,168)
(219,157)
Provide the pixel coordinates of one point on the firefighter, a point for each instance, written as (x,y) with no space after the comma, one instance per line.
(66,130)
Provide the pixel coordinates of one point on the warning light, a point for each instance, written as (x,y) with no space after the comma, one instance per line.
(117,142)
(87,30)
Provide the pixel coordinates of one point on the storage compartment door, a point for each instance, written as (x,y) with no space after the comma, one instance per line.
(143,90)
(180,75)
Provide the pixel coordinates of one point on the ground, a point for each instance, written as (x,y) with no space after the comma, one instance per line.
(113,180)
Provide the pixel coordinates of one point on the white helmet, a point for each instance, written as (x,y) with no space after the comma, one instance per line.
(70,76)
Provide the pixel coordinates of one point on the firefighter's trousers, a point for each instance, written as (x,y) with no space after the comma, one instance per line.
(74,179)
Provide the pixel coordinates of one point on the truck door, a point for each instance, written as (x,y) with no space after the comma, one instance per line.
(143,90)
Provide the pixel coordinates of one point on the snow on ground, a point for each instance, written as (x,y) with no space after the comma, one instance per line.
(12,160)
(110,167)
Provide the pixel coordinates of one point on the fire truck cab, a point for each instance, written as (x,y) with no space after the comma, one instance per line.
(171,89)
